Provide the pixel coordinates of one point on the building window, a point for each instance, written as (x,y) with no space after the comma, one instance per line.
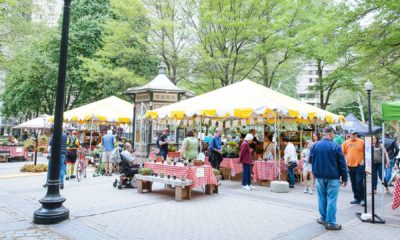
(310,80)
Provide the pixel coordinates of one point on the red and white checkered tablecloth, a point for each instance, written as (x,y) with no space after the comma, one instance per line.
(189,172)
(265,170)
(233,164)
(396,194)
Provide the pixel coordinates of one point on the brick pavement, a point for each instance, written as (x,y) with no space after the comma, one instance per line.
(99,211)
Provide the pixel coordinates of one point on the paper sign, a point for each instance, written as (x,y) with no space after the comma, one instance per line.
(18,150)
(367,154)
(243,122)
(199,172)
(228,124)
(213,122)
(235,123)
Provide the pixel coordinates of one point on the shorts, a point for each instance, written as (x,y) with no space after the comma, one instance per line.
(106,158)
(307,168)
(71,156)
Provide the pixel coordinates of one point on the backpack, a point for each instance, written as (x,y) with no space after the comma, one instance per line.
(71,142)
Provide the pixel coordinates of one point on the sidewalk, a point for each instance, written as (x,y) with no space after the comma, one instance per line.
(99,211)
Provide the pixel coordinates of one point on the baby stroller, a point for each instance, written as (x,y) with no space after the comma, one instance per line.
(128,171)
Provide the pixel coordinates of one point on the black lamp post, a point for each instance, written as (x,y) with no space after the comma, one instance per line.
(52,210)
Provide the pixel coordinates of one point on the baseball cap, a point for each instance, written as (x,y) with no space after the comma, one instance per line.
(329,129)
(353,131)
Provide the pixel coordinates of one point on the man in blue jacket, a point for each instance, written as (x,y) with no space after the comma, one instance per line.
(328,167)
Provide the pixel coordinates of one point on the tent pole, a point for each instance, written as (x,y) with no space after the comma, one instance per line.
(91,131)
(383,168)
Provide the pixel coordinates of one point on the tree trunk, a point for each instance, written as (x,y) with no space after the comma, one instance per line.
(321,84)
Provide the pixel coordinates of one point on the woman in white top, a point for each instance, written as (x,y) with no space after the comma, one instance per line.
(307,168)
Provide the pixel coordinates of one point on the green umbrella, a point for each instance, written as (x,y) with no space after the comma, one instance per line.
(391,111)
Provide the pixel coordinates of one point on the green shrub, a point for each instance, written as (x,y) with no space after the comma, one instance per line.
(32,168)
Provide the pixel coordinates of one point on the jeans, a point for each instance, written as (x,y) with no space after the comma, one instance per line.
(291,175)
(357,179)
(215,159)
(246,177)
(62,169)
(377,172)
(388,173)
(328,190)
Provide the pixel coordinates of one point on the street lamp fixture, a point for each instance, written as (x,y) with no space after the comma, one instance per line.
(368,86)
(52,210)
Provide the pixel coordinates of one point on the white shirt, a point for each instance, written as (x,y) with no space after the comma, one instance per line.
(290,153)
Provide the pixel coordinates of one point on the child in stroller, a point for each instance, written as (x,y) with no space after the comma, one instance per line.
(128,169)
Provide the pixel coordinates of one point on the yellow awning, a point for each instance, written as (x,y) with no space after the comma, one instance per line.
(243,100)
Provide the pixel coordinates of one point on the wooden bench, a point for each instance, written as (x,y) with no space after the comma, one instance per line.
(182,188)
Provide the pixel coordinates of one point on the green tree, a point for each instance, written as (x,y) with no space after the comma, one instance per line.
(169,36)
(329,40)
(124,60)
(85,38)
(30,82)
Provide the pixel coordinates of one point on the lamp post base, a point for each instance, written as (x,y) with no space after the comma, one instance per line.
(365,217)
(52,210)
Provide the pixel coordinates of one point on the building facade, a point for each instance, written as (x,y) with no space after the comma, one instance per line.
(307,78)
(47,11)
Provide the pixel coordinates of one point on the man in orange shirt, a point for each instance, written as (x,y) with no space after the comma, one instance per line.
(353,150)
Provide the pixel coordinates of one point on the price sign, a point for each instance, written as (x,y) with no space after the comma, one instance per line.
(199,172)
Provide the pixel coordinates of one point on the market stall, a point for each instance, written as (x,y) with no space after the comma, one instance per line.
(94,117)
(391,112)
(245,103)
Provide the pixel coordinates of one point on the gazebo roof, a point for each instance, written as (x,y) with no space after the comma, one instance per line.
(160,83)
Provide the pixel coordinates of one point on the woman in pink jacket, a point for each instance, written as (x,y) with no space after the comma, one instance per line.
(245,159)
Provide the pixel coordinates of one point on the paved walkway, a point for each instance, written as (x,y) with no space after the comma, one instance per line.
(99,211)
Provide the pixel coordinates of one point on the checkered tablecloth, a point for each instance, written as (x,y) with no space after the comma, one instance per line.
(265,170)
(233,164)
(189,172)
(396,194)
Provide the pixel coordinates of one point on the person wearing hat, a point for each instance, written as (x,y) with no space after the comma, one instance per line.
(215,148)
(72,148)
(353,150)
(245,159)
(108,141)
(162,143)
(329,167)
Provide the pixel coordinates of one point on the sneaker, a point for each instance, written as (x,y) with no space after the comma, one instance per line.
(252,187)
(333,227)
(246,188)
(67,178)
(362,203)
(310,192)
(305,190)
(45,185)
(73,176)
(321,222)
(291,186)
(355,202)
(62,186)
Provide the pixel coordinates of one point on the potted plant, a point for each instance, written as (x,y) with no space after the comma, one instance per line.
(171,148)
(145,171)
(30,145)
(197,163)
(231,150)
